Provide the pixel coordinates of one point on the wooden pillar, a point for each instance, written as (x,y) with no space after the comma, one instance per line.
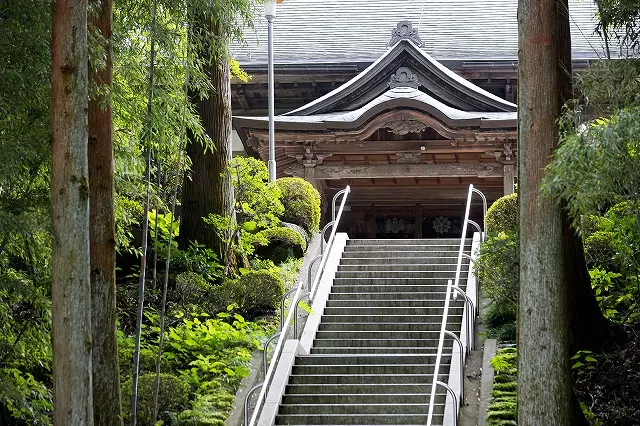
(418,224)
(509,178)
(310,176)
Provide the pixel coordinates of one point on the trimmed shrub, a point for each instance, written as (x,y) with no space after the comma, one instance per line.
(255,292)
(173,397)
(283,244)
(599,249)
(502,216)
(301,203)
(498,272)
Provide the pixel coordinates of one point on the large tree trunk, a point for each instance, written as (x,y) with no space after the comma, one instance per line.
(209,189)
(544,378)
(106,371)
(71,286)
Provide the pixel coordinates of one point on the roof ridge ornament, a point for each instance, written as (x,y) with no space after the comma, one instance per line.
(404,77)
(405,31)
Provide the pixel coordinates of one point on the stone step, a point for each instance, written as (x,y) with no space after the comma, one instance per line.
(408,248)
(377,241)
(394,254)
(370,360)
(389,327)
(435,296)
(403,259)
(354,419)
(356,336)
(444,275)
(361,378)
(382,311)
(392,342)
(381,319)
(361,388)
(385,288)
(415,303)
(360,399)
(401,408)
(349,350)
(399,267)
(397,281)
(369,369)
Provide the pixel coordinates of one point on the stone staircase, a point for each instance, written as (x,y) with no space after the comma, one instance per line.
(373,356)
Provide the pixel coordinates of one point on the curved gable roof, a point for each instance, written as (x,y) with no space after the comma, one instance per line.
(405,63)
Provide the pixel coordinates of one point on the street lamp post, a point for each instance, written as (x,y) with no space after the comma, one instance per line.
(270,14)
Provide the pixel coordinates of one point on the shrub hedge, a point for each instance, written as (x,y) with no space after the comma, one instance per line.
(282,244)
(255,292)
(301,203)
(173,397)
(502,216)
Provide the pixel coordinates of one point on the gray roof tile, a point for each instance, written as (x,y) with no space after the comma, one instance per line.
(315,31)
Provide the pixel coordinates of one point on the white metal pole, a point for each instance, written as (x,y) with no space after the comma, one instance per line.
(272,143)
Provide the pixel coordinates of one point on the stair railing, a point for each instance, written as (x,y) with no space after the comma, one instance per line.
(471,311)
(292,316)
(325,252)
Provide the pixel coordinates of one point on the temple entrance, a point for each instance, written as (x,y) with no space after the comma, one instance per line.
(407,135)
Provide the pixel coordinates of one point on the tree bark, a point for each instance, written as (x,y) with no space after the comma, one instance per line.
(106,370)
(71,285)
(544,378)
(209,189)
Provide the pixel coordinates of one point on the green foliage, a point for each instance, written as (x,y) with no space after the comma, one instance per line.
(257,201)
(254,292)
(280,244)
(301,203)
(620,20)
(583,361)
(25,244)
(503,407)
(502,216)
(200,260)
(498,272)
(173,397)
(208,410)
(611,85)
(597,166)
(212,352)
(599,249)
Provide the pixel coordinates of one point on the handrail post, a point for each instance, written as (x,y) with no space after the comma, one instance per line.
(310,271)
(457,339)
(455,400)
(265,352)
(333,203)
(327,226)
(246,402)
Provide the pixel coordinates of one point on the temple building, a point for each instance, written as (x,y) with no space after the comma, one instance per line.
(407,121)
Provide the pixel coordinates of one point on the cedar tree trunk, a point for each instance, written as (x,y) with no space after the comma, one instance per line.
(70,286)
(106,371)
(544,378)
(209,189)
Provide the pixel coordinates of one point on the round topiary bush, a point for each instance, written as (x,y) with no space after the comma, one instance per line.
(502,216)
(255,292)
(301,203)
(173,397)
(283,243)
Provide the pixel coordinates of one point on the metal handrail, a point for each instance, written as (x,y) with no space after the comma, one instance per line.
(333,202)
(451,285)
(332,237)
(310,271)
(327,226)
(293,309)
(268,376)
